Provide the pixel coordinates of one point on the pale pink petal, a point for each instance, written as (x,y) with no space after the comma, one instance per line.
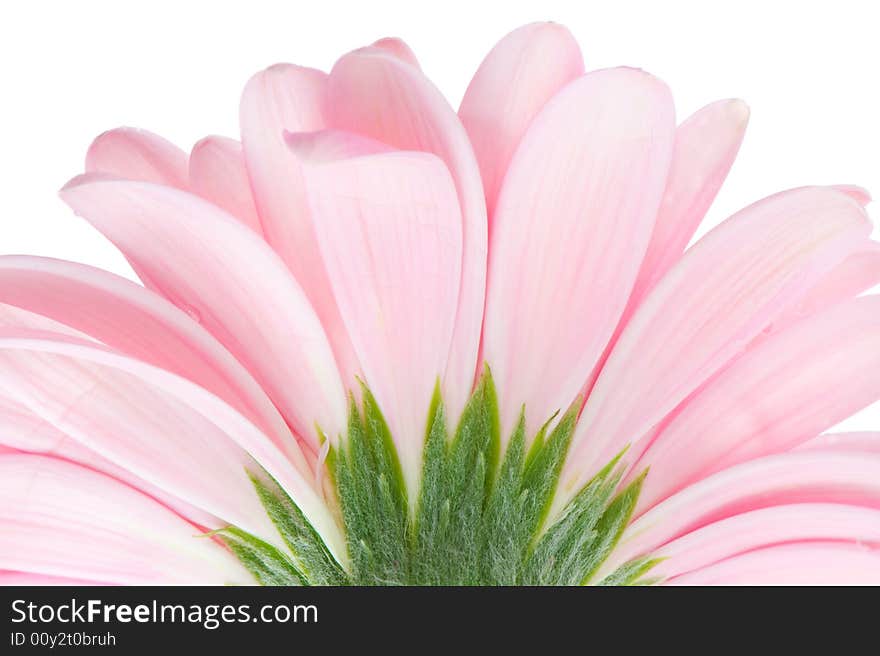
(389,228)
(23,431)
(860,194)
(138,428)
(207,262)
(819,563)
(856,274)
(138,155)
(859,442)
(139,323)
(217,173)
(286,98)
(788,389)
(723,293)
(331,145)
(706,145)
(793,477)
(398,48)
(16,317)
(571,225)
(513,83)
(767,527)
(161,427)
(375,94)
(28,579)
(61,519)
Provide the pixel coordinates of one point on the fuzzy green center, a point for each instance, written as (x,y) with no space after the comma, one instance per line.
(480,519)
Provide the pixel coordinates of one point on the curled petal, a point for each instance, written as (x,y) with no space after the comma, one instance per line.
(281,99)
(217,173)
(138,155)
(375,94)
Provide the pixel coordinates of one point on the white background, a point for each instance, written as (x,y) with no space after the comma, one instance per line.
(69,70)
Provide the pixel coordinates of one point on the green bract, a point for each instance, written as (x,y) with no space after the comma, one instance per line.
(480,519)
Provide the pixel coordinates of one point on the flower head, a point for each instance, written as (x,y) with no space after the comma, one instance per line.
(379,341)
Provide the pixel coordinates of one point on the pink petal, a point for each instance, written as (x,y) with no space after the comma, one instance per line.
(225,275)
(706,145)
(286,98)
(138,155)
(725,290)
(790,388)
(856,274)
(157,425)
(794,477)
(139,323)
(23,431)
(860,194)
(572,221)
(375,94)
(331,145)
(217,173)
(389,228)
(764,528)
(28,579)
(60,519)
(513,83)
(821,563)
(399,49)
(859,442)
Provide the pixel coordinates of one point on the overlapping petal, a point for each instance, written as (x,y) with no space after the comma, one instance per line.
(138,155)
(722,294)
(389,229)
(513,83)
(159,426)
(376,94)
(232,283)
(217,172)
(281,99)
(767,527)
(139,323)
(782,392)
(814,476)
(58,519)
(571,225)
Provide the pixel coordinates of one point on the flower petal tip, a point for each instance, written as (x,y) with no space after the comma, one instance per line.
(859,194)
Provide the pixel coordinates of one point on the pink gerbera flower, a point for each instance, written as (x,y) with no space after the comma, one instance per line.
(380,341)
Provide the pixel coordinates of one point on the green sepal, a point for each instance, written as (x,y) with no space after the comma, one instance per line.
(267,564)
(563,554)
(612,523)
(372,496)
(521,497)
(308,552)
(631,573)
(455,478)
(478,519)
